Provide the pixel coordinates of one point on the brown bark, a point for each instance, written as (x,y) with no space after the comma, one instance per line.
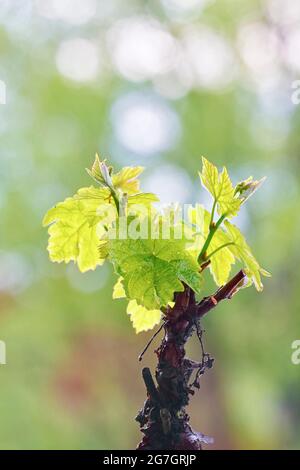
(163,419)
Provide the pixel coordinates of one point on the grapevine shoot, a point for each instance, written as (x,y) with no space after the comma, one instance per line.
(160,257)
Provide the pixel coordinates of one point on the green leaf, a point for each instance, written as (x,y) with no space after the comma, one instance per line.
(154,268)
(92,199)
(247,188)
(227,204)
(74,233)
(210,177)
(152,283)
(142,318)
(126,179)
(241,250)
(118,290)
(103,249)
(221,260)
(142,198)
(93,196)
(188,272)
(221,189)
(100,172)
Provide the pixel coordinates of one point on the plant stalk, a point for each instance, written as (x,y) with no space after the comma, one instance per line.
(163,419)
(212,231)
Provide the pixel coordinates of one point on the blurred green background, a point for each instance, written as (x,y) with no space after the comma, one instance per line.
(156,83)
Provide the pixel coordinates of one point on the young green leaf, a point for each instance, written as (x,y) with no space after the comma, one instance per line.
(154,268)
(126,179)
(145,199)
(142,318)
(241,250)
(118,290)
(187,271)
(147,279)
(75,228)
(100,172)
(103,248)
(221,258)
(92,196)
(73,234)
(153,283)
(247,188)
(221,189)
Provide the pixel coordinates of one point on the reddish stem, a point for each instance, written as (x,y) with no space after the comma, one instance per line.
(163,419)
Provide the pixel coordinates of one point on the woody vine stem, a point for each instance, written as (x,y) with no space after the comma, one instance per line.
(163,419)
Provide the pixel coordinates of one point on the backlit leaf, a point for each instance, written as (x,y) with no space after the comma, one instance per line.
(241,250)
(222,260)
(74,230)
(221,188)
(142,318)
(126,179)
(154,268)
(247,188)
(118,290)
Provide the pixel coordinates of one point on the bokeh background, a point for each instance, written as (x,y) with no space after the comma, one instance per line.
(156,83)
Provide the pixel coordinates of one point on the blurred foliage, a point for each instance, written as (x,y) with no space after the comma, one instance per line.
(72,376)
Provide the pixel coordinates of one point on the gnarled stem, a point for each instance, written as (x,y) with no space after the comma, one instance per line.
(163,419)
